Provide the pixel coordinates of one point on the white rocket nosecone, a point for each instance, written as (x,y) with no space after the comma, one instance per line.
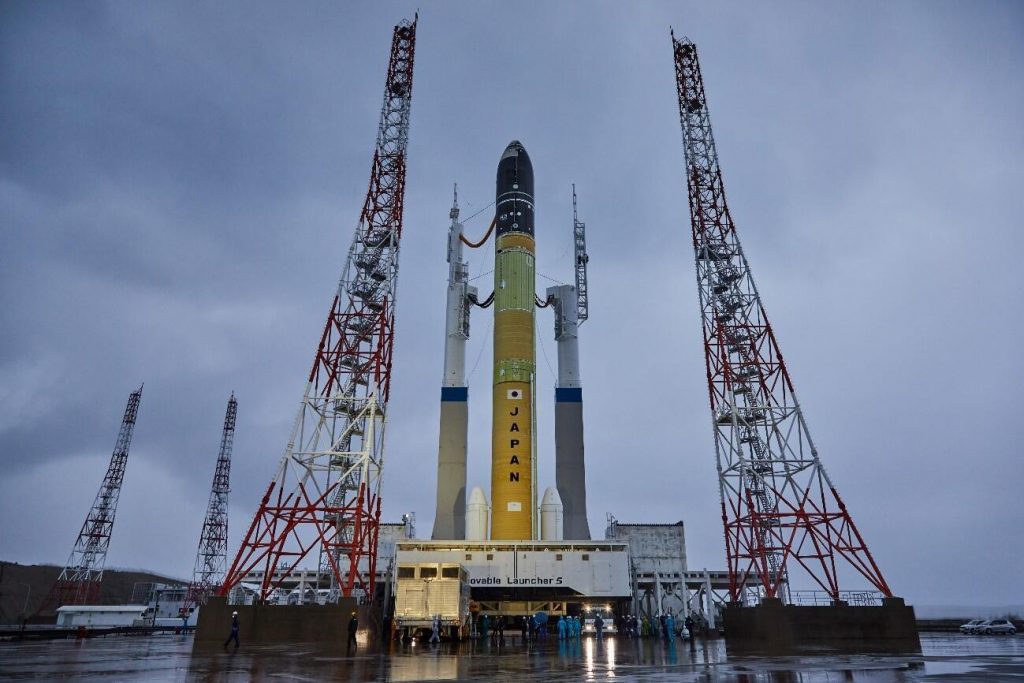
(477,514)
(551,516)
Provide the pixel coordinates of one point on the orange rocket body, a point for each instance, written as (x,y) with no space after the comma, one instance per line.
(513,437)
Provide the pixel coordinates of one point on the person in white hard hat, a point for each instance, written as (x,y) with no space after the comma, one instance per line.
(234,631)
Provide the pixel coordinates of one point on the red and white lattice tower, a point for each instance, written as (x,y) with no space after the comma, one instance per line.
(79,582)
(779,506)
(324,501)
(212,556)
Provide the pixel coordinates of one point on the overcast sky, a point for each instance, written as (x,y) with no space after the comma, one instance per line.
(179,183)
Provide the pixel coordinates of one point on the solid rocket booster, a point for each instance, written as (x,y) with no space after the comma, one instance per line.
(570,471)
(513,489)
(450,519)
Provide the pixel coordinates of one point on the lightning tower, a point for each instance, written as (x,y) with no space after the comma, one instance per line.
(780,509)
(211,558)
(324,501)
(79,582)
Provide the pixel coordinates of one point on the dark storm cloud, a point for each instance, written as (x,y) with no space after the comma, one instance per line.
(179,182)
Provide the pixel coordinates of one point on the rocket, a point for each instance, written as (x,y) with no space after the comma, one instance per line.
(512,514)
(513,439)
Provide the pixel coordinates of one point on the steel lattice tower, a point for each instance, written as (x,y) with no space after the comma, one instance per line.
(211,558)
(79,582)
(779,506)
(324,500)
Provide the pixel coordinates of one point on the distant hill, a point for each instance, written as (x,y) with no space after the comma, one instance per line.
(967,612)
(15,579)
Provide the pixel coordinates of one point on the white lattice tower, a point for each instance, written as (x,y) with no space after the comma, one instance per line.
(780,509)
(324,501)
(79,581)
(211,558)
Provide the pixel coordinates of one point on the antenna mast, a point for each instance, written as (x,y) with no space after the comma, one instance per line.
(79,582)
(211,558)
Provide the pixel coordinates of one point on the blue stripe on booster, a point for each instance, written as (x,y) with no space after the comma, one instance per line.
(568,395)
(455,394)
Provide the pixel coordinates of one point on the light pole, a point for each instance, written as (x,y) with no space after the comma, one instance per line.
(24,608)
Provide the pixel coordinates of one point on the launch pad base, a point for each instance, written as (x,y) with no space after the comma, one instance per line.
(774,628)
(325,625)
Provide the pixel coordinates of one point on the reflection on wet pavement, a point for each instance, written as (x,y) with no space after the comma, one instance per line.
(171,658)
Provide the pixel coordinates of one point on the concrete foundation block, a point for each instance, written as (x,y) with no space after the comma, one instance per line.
(324,625)
(775,628)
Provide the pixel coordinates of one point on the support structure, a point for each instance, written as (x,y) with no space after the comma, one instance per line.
(780,509)
(79,582)
(450,518)
(323,504)
(211,558)
(571,309)
(581,259)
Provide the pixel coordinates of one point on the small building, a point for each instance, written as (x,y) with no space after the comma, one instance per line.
(657,555)
(166,602)
(661,581)
(100,616)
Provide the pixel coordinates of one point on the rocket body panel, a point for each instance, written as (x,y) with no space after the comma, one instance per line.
(570,471)
(450,515)
(513,497)
(512,485)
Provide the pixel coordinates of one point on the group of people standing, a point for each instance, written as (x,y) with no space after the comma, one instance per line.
(570,627)
(491,628)
(535,627)
(531,627)
(662,626)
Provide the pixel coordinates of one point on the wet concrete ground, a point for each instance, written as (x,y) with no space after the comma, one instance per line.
(171,658)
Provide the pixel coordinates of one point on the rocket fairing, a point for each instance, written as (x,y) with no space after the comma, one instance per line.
(513,489)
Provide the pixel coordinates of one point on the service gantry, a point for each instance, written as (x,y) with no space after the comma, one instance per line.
(211,558)
(324,502)
(79,582)
(779,506)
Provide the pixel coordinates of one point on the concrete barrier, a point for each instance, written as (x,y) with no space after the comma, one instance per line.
(774,628)
(326,625)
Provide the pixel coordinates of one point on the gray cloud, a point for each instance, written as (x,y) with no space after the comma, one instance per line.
(178,186)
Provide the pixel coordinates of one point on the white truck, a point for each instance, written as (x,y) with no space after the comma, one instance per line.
(426,589)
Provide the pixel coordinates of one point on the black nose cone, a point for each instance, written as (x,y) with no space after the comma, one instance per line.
(514,194)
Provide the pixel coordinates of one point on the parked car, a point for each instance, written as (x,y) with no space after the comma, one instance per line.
(998,626)
(980,628)
(971,625)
